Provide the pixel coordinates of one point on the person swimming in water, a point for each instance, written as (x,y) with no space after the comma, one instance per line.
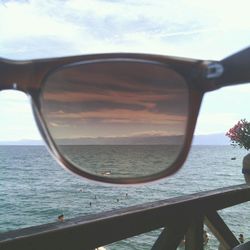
(241,238)
(205,237)
(60,218)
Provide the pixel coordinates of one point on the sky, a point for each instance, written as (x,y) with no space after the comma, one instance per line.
(195,29)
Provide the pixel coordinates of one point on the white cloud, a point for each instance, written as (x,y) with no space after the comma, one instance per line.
(17,121)
(221,109)
(239,89)
(184,28)
(23,20)
(216,123)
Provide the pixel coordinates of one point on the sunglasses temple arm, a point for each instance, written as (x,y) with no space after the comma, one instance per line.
(236,69)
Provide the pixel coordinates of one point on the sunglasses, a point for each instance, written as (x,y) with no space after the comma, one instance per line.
(120,118)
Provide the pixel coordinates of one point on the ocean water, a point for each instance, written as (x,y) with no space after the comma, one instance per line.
(34,190)
(122,160)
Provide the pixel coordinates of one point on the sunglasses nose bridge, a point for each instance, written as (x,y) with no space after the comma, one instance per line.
(15,75)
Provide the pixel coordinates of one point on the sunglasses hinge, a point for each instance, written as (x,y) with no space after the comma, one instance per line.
(213,70)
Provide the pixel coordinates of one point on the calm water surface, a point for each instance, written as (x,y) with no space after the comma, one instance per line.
(34,190)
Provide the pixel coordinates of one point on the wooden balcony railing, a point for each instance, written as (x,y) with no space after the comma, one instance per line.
(177,217)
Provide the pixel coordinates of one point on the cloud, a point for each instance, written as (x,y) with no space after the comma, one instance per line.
(216,122)
(122,115)
(17,121)
(150,133)
(165,27)
(238,90)
(139,100)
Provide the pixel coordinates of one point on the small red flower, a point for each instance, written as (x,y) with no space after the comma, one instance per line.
(239,134)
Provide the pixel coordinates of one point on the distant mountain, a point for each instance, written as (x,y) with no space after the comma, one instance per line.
(130,140)
(23,142)
(210,139)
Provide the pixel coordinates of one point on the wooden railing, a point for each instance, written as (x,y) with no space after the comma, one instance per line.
(176,217)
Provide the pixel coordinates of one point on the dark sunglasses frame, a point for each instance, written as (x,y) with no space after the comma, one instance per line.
(200,76)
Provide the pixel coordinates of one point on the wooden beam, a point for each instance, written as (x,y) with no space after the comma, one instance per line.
(194,236)
(171,237)
(220,230)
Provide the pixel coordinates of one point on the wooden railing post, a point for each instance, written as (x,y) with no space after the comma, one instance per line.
(171,236)
(194,235)
(221,231)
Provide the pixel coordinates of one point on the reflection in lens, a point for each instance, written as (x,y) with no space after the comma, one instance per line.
(119,119)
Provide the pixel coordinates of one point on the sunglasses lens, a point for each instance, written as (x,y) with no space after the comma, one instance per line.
(119,119)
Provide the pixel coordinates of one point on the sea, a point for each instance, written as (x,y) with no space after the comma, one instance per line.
(34,190)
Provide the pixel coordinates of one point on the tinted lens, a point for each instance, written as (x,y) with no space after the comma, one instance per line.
(119,119)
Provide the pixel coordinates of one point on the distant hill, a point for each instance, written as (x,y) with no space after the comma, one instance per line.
(23,142)
(210,139)
(130,140)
